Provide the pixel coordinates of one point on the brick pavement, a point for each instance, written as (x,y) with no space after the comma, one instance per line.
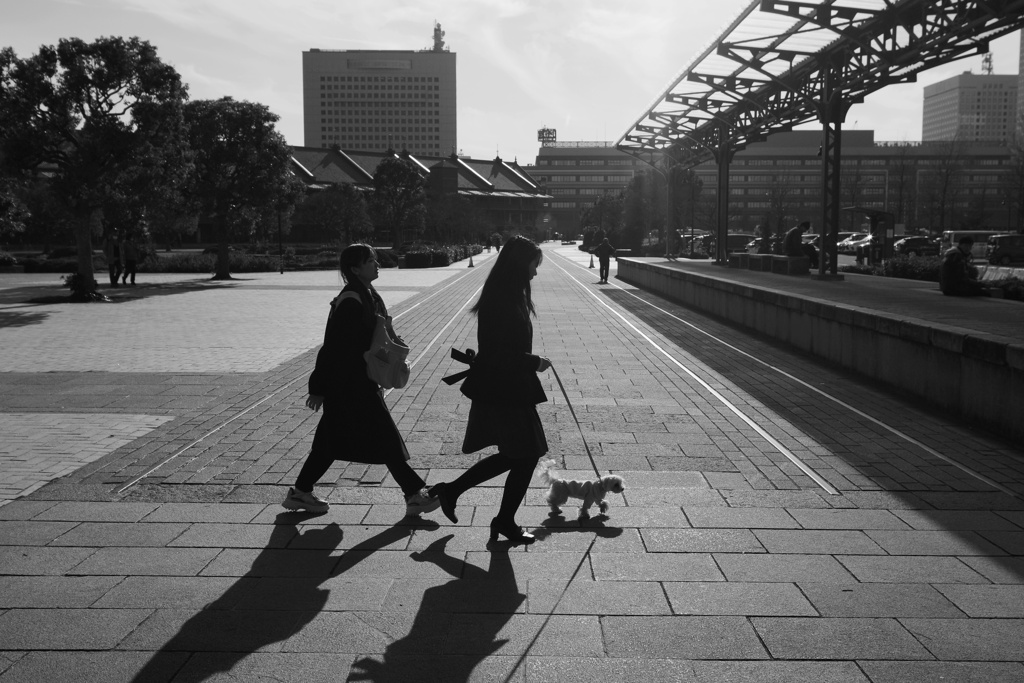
(168,558)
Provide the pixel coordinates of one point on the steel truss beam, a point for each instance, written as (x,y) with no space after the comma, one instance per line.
(774,86)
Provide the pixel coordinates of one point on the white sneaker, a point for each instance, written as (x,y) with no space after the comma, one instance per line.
(420,502)
(300,500)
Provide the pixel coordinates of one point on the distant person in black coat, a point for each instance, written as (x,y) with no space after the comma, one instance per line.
(957,274)
(503,386)
(604,253)
(794,245)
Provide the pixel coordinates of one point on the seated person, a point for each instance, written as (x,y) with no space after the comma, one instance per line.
(793,244)
(958,277)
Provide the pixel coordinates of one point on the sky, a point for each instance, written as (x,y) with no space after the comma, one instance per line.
(587,68)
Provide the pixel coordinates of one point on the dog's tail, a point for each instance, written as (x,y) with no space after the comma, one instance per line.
(543,471)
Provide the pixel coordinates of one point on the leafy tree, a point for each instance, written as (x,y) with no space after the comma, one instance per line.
(398,201)
(643,213)
(605,214)
(339,211)
(13,212)
(241,168)
(103,119)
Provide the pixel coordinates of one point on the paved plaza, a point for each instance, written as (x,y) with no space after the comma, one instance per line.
(782,522)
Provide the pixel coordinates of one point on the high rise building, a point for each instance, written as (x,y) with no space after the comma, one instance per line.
(378,99)
(971,108)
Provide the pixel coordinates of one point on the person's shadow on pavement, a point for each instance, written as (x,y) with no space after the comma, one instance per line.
(457,624)
(279,595)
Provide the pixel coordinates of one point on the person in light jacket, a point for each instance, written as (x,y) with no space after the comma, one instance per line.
(503,386)
(356,425)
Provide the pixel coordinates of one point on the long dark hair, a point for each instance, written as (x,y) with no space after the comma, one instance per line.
(508,283)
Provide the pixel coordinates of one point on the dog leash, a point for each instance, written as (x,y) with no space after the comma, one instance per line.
(576,420)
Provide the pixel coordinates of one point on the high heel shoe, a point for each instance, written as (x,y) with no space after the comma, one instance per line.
(447,502)
(511,531)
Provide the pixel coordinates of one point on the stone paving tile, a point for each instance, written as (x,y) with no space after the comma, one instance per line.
(934,543)
(68,629)
(784,568)
(960,520)
(701,541)
(235,513)
(655,567)
(743,599)
(809,542)
(97,512)
(74,667)
(32,533)
(1005,602)
(742,518)
(992,640)
(880,600)
(139,561)
(213,630)
(174,592)
(562,669)
(120,534)
(597,597)
(270,666)
(830,638)
(682,637)
(332,594)
(40,561)
(928,672)
(777,672)
(997,569)
(848,519)
(910,569)
(54,591)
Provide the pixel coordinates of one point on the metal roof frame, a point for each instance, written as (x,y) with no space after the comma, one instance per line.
(768,69)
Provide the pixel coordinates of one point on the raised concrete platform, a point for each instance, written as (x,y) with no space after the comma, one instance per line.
(965,356)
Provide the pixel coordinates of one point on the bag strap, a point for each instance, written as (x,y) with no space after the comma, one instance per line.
(341,297)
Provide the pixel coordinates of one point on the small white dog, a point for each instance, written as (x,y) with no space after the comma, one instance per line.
(590,492)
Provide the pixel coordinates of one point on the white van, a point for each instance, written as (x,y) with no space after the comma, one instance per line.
(950,238)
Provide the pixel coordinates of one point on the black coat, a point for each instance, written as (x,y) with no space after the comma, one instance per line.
(505,369)
(356,424)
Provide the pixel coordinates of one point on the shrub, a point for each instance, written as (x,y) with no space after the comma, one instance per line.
(7,259)
(913,267)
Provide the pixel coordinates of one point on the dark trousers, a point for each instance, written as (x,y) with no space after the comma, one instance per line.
(604,263)
(115,272)
(520,472)
(129,269)
(317,464)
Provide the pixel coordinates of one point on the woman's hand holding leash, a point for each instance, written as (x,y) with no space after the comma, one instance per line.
(313,402)
(544,364)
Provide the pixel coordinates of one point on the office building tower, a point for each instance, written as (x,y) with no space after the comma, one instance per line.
(971,108)
(379,99)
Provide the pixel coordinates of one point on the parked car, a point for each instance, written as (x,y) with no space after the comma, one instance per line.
(1002,250)
(846,246)
(916,245)
(737,241)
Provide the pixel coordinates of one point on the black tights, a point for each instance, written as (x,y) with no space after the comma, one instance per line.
(520,472)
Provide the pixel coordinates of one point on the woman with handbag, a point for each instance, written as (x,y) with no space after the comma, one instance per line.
(503,386)
(356,425)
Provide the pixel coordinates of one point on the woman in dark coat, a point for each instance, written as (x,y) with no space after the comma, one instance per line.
(503,385)
(356,425)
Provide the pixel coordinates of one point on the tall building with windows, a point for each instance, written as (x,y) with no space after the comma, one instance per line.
(379,99)
(971,108)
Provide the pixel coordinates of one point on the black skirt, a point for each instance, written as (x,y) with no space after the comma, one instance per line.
(515,429)
(359,429)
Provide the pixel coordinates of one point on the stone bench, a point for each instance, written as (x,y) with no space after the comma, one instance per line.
(771,263)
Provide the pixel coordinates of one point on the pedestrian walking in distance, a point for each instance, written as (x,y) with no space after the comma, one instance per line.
(604,252)
(503,386)
(356,425)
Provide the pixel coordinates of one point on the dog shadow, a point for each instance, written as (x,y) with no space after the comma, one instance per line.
(556,523)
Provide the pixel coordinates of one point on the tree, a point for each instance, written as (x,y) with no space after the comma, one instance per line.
(643,200)
(943,184)
(338,212)
(13,212)
(451,218)
(398,201)
(103,119)
(241,168)
(605,214)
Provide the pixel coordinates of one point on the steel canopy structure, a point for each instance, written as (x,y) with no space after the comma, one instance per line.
(781,63)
